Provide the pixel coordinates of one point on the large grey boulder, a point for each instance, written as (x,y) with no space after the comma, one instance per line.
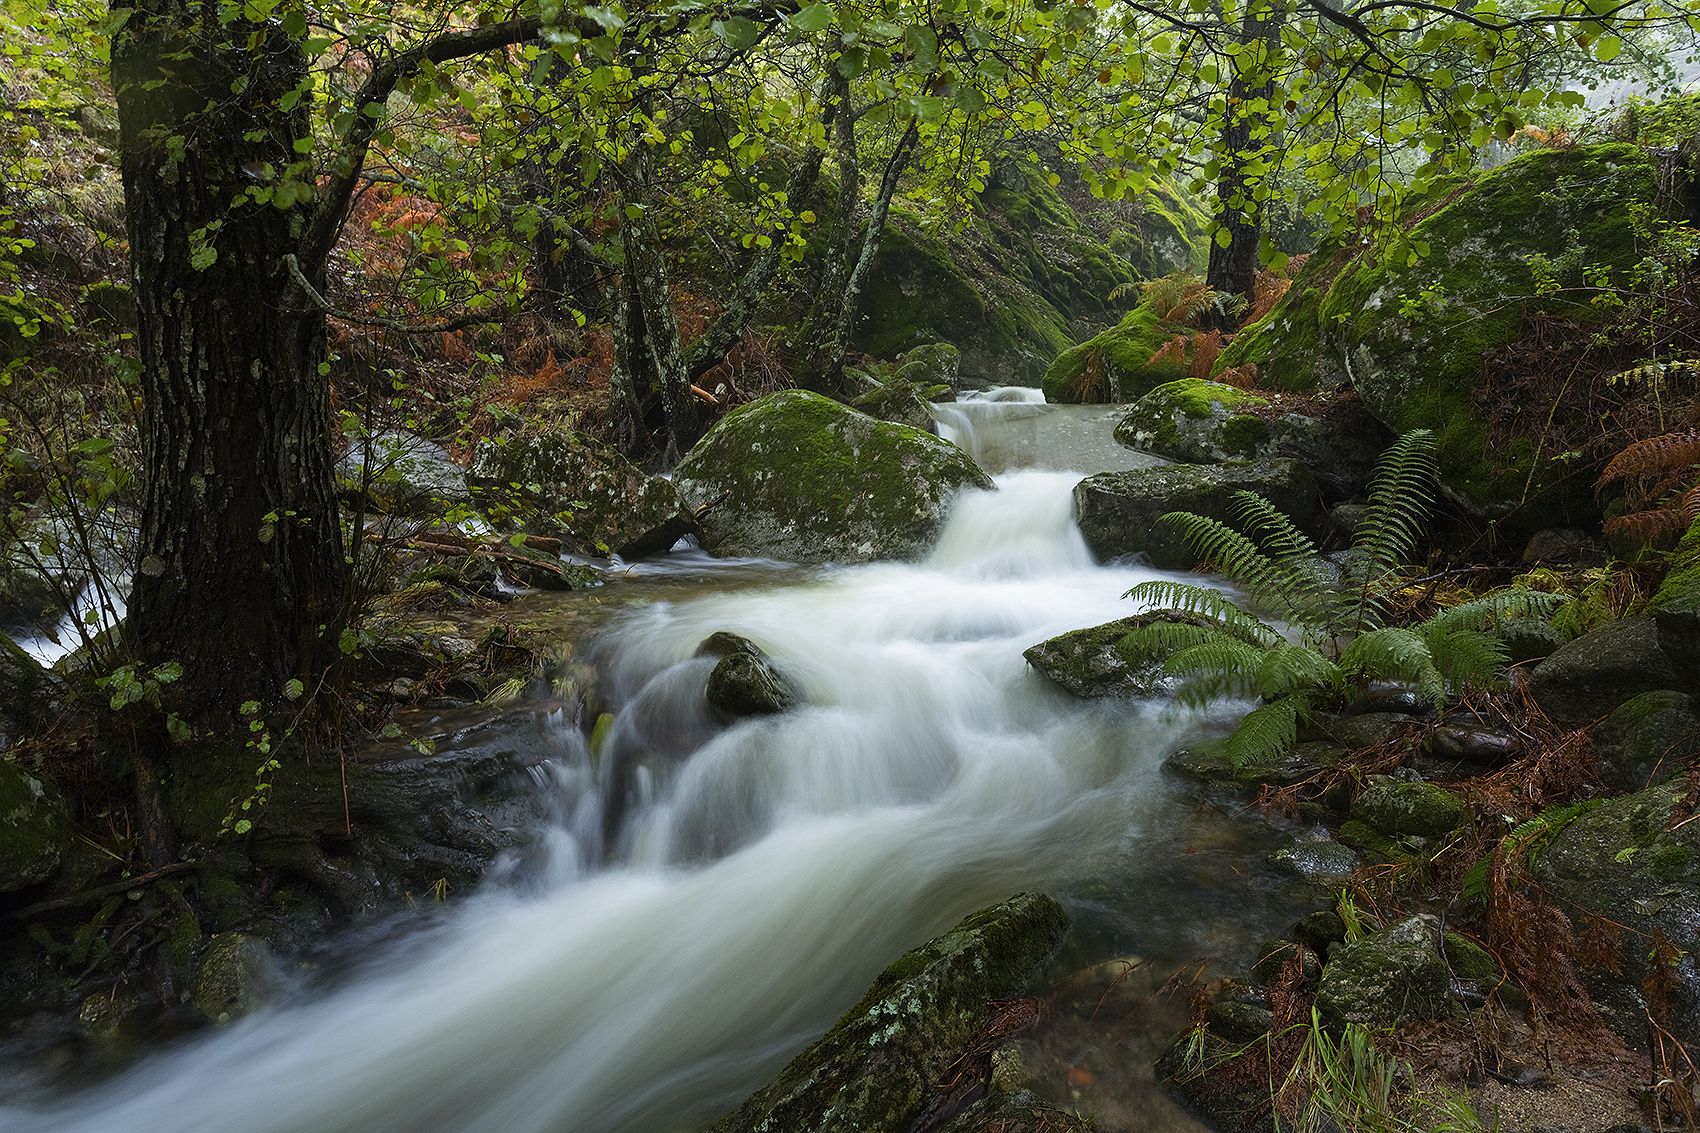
(799,477)
(1118,511)
(1586,678)
(884,1061)
(35,829)
(1647,739)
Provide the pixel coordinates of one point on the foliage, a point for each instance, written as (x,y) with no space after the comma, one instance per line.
(1659,478)
(1337,613)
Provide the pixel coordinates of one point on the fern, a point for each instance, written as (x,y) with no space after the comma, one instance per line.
(1660,481)
(1266,732)
(1400,498)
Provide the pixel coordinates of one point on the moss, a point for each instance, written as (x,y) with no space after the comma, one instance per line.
(798,476)
(1397,807)
(1195,420)
(1469,960)
(1116,365)
(35,829)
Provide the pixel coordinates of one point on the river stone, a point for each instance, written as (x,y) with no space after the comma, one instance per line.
(1394,976)
(1647,738)
(238,974)
(1635,861)
(550,480)
(744,681)
(799,477)
(35,828)
(1676,606)
(1209,761)
(1585,679)
(1396,806)
(885,1059)
(1118,511)
(409,474)
(1194,420)
(1089,663)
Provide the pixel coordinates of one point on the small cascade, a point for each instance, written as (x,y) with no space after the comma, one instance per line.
(1013,427)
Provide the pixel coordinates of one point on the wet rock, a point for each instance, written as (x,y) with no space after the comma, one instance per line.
(401,473)
(1676,607)
(931,365)
(1345,519)
(1198,421)
(744,681)
(799,477)
(1395,806)
(880,1066)
(1090,663)
(1529,639)
(1635,861)
(1321,860)
(29,693)
(1118,511)
(1340,448)
(1365,730)
(1586,678)
(1238,1021)
(35,828)
(1557,545)
(1396,698)
(1209,761)
(1647,738)
(1320,930)
(550,480)
(539,570)
(1472,744)
(238,974)
(1277,955)
(1396,975)
(1475,972)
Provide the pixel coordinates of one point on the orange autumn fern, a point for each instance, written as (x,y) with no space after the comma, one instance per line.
(1660,481)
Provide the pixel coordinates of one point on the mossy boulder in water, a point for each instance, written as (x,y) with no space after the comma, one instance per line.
(884,1061)
(1411,335)
(1195,420)
(549,480)
(1396,806)
(744,681)
(1089,662)
(797,476)
(1635,862)
(401,473)
(35,829)
(1119,364)
(903,391)
(1118,512)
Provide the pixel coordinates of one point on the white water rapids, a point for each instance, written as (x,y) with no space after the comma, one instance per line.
(767,873)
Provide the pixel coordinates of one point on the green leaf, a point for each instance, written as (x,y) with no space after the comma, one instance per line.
(813,17)
(293,688)
(738,33)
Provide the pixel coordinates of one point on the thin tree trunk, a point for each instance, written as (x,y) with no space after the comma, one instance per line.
(1233,266)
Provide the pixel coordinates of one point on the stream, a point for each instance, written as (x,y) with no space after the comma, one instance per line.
(667,957)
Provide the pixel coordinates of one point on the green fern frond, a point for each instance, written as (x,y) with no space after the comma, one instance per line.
(1291,668)
(1514,604)
(1159,639)
(1274,529)
(1400,498)
(1214,669)
(1266,732)
(1184,597)
(1263,578)
(1467,657)
(1395,654)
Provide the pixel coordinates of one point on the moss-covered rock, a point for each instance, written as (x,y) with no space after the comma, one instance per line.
(1635,861)
(1586,678)
(1209,762)
(549,480)
(904,390)
(238,974)
(1401,807)
(1195,420)
(1394,976)
(800,477)
(1118,511)
(744,681)
(1647,739)
(1676,605)
(1119,364)
(1090,662)
(29,693)
(35,828)
(884,1059)
(1411,336)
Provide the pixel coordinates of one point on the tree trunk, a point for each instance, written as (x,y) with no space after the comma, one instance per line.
(1233,266)
(239,569)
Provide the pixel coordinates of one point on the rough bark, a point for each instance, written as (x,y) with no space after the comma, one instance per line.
(1233,266)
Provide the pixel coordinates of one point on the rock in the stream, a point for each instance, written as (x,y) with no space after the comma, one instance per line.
(1195,420)
(881,1066)
(744,681)
(548,480)
(1635,861)
(1118,511)
(1090,663)
(402,473)
(799,477)
(1396,975)
(238,974)
(1585,679)
(1210,762)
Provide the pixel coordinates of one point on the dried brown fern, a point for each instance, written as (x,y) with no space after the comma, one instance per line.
(1660,481)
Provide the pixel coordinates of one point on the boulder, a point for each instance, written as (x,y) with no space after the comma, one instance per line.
(238,974)
(548,480)
(1209,762)
(1118,511)
(401,473)
(1394,976)
(1647,739)
(934,365)
(35,828)
(1586,678)
(1198,421)
(1089,662)
(1410,334)
(1401,807)
(1676,605)
(884,1060)
(28,692)
(744,682)
(1119,364)
(1635,861)
(799,477)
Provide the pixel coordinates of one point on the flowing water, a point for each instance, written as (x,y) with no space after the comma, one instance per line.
(715,896)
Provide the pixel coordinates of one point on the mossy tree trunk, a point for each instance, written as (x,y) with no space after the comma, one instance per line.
(1232,269)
